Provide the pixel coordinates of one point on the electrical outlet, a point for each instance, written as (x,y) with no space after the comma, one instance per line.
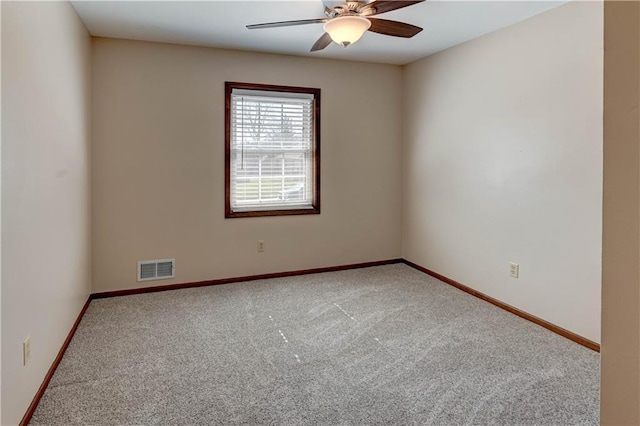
(514,270)
(26,350)
(260,246)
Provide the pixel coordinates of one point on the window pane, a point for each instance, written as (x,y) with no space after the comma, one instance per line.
(272,149)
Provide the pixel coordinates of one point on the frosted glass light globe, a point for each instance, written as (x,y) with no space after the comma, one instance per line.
(346,30)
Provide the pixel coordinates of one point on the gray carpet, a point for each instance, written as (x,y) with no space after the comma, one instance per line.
(383,345)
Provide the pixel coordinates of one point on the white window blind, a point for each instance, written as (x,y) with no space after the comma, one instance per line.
(272,139)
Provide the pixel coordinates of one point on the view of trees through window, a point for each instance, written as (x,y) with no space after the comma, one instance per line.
(271,151)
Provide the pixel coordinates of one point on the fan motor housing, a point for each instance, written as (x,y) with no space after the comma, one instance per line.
(353,8)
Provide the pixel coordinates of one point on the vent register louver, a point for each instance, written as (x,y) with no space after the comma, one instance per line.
(156,269)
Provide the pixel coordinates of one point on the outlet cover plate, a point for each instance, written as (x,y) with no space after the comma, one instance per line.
(26,350)
(514,270)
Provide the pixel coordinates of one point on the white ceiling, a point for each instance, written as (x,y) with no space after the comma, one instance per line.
(222,24)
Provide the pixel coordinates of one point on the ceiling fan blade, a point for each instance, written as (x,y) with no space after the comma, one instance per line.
(322,42)
(383,6)
(393,28)
(287,23)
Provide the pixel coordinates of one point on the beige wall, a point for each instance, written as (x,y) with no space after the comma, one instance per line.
(46,276)
(620,400)
(502,162)
(158,164)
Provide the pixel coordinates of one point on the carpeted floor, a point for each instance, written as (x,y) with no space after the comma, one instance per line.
(383,345)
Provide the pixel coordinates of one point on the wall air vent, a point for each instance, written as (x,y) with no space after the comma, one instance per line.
(156,269)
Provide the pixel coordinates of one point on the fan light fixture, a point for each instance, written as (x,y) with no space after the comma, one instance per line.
(347,20)
(346,30)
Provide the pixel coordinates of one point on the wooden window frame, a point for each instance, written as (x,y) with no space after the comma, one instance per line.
(315,202)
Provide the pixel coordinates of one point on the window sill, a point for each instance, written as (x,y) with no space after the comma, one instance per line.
(259,213)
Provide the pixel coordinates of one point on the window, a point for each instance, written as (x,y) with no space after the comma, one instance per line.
(272,150)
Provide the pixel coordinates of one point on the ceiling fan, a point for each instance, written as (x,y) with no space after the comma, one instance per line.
(346,21)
